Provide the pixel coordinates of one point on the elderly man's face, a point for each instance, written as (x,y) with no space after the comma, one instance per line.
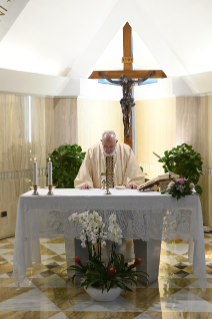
(109,144)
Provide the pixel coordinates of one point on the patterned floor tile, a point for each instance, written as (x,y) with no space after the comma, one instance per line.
(5,268)
(103,315)
(45,257)
(178,249)
(177,241)
(28,315)
(146,298)
(177,287)
(7,246)
(59,315)
(4,241)
(65,298)
(121,305)
(182,301)
(179,259)
(8,257)
(205,295)
(163,284)
(57,258)
(6,281)
(179,315)
(183,282)
(166,270)
(46,251)
(53,281)
(9,293)
(35,269)
(56,248)
(26,283)
(167,258)
(33,300)
(180,265)
(196,284)
(11,240)
(6,251)
(60,240)
(47,273)
(182,274)
(165,252)
(60,270)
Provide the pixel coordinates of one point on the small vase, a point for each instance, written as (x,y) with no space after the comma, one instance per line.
(97,294)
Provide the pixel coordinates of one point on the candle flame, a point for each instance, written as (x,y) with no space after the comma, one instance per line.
(49,159)
(34,159)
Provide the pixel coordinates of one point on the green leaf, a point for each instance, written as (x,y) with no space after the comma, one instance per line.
(108,284)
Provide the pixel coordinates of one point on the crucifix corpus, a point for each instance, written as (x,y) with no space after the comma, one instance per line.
(127,79)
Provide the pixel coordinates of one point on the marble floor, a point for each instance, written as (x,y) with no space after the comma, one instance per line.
(45,294)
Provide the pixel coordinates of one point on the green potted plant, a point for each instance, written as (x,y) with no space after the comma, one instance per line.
(66,161)
(103,281)
(185,162)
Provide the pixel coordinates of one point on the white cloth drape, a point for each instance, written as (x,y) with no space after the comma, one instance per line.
(140,215)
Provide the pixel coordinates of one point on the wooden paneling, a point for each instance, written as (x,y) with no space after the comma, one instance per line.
(188,121)
(49,125)
(204,129)
(95,117)
(194,117)
(16,150)
(155,131)
(13,133)
(210,159)
(65,122)
(38,131)
(210,132)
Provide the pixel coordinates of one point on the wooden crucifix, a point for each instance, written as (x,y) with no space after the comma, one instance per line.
(127,79)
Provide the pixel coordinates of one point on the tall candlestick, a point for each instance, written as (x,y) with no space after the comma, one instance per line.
(35,172)
(49,173)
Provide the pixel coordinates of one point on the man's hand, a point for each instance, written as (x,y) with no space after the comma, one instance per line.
(132,186)
(85,186)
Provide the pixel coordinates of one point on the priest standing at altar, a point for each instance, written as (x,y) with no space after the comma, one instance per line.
(126,169)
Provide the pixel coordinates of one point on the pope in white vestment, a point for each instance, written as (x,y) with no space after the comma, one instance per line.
(126,169)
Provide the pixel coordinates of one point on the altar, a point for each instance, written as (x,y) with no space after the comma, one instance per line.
(147,216)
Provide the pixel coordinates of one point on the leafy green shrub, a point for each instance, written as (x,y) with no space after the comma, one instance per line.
(66,161)
(185,162)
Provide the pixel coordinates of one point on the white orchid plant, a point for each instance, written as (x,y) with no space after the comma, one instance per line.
(115,273)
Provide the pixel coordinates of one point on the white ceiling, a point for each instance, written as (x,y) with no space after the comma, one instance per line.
(72,38)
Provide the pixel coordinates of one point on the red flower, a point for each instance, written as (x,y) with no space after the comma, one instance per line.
(78,260)
(137,262)
(111,270)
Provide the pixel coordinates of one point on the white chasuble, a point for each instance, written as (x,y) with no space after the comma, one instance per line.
(126,168)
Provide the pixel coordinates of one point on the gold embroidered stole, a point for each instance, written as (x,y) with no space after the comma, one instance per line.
(109,172)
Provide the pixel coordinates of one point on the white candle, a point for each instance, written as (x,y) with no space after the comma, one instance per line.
(35,172)
(49,173)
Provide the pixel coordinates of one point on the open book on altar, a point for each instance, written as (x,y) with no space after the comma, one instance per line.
(158,183)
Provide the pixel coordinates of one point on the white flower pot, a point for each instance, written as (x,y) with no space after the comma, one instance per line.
(97,294)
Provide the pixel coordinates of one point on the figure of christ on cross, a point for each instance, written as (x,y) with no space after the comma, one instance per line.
(127,102)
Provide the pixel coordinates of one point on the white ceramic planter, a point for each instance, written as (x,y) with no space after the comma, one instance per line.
(97,294)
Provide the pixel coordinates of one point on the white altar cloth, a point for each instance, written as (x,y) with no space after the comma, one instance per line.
(145,216)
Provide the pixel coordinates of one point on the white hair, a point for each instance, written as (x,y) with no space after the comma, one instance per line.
(109,133)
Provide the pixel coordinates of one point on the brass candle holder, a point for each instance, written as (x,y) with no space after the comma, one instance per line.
(50,192)
(35,190)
